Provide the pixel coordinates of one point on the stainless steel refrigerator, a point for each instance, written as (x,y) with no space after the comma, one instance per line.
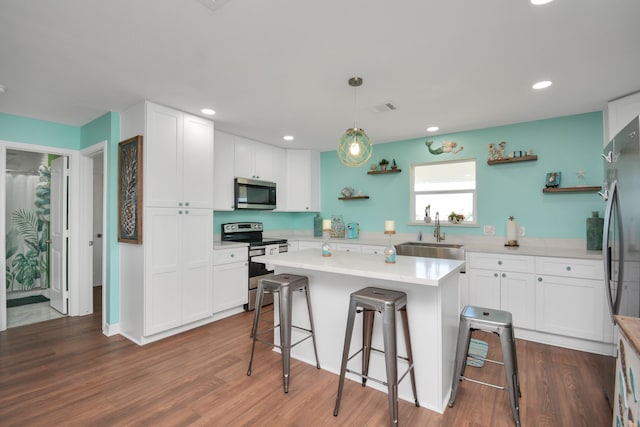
(621,234)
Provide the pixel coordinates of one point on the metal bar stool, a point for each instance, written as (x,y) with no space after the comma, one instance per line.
(284,285)
(386,302)
(499,322)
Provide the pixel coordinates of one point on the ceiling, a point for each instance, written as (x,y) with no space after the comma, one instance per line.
(271,68)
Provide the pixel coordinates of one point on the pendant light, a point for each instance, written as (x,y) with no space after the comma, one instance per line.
(354,148)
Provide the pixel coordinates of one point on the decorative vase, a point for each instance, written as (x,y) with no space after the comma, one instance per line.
(595,225)
(317,226)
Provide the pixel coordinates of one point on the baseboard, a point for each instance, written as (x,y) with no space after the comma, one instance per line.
(110,330)
(588,346)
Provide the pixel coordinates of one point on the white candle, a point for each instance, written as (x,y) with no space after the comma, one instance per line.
(389,226)
(326,224)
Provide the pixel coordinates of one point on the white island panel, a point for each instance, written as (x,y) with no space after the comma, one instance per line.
(432,305)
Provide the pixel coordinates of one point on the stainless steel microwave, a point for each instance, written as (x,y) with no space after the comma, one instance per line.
(254,194)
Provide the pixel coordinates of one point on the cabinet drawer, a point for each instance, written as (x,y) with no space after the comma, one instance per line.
(227,256)
(570,267)
(517,263)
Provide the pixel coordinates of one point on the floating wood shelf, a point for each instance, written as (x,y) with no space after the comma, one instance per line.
(353,198)
(387,171)
(513,160)
(570,189)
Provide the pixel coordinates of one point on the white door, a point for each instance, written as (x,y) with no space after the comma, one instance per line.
(59,292)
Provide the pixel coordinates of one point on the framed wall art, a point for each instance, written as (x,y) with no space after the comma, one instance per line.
(130,190)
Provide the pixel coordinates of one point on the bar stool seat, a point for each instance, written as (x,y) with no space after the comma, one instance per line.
(499,322)
(386,302)
(284,285)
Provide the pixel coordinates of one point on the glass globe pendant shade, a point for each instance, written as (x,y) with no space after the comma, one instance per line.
(354,148)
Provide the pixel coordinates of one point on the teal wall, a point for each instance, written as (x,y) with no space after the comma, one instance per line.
(107,128)
(271,220)
(48,134)
(564,144)
(39,132)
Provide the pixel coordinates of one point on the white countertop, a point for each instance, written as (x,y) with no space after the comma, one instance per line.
(217,244)
(424,271)
(565,248)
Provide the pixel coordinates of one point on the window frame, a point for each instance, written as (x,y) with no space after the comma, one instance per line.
(443,218)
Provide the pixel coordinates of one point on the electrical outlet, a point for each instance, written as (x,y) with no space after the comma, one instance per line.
(521,231)
(489,230)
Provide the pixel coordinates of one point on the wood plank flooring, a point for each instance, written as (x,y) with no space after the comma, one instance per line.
(65,372)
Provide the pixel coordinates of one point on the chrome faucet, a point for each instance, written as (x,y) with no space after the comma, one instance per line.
(436,229)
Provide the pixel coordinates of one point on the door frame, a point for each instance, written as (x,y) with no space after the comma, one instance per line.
(77,300)
(86,221)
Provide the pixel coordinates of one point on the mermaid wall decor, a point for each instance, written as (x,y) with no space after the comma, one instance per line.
(446,147)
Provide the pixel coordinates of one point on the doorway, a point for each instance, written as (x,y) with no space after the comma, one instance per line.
(28,237)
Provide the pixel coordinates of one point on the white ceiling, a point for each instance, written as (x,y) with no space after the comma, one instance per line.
(277,67)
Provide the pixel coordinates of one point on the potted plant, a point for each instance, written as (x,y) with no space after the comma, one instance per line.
(383,164)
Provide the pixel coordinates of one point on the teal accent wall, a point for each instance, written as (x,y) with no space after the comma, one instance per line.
(38,132)
(271,220)
(565,144)
(107,128)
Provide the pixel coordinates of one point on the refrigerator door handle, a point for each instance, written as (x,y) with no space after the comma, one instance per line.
(613,207)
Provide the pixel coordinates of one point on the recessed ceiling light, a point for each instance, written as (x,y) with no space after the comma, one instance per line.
(288,138)
(540,2)
(542,85)
(432,128)
(208,111)
(2,89)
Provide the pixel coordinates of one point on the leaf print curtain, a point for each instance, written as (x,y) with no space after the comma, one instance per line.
(27,228)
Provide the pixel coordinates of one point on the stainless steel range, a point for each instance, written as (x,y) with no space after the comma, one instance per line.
(251,232)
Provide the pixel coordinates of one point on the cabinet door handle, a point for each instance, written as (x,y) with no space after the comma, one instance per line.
(539,279)
(180,212)
(504,275)
(186,212)
(186,203)
(179,203)
(568,268)
(499,262)
(495,274)
(232,255)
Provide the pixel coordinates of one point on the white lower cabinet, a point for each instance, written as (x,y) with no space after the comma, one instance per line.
(230,278)
(504,282)
(548,295)
(570,298)
(178,271)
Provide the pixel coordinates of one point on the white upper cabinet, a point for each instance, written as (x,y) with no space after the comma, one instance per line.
(619,113)
(177,145)
(223,172)
(257,160)
(302,181)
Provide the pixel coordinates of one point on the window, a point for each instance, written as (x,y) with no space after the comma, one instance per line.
(446,187)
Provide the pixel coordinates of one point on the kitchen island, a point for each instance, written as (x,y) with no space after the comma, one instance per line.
(433,309)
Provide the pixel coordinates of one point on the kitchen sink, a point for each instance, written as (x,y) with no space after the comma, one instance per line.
(431,250)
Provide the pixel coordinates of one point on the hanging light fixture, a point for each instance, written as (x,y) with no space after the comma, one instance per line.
(354,148)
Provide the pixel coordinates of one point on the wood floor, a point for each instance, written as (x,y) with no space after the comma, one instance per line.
(66,372)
